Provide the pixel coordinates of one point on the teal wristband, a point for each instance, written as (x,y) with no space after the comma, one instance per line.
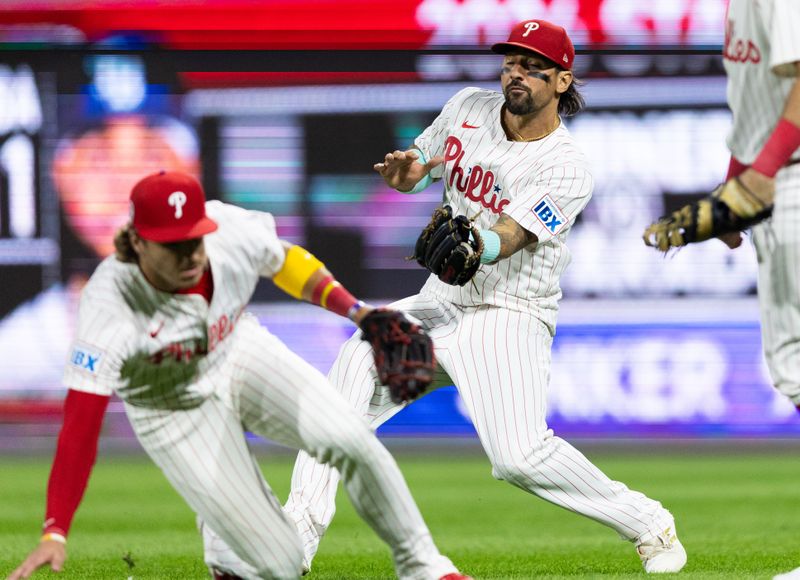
(425,181)
(421,184)
(491,246)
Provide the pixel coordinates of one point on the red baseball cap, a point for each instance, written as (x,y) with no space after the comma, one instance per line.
(541,37)
(170,207)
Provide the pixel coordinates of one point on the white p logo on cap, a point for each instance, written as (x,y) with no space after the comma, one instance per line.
(530,27)
(177,199)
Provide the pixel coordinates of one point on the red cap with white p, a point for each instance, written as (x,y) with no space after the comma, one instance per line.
(541,37)
(170,207)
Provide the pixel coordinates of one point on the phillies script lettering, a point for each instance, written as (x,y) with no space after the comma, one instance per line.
(184,352)
(477,184)
(739,50)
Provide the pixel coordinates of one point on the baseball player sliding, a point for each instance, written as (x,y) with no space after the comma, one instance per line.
(162,325)
(490,304)
(762,60)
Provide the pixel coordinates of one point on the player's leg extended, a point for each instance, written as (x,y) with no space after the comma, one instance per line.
(501,368)
(284,398)
(312,501)
(204,454)
(777,243)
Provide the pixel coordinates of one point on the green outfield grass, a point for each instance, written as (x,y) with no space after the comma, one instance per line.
(738,516)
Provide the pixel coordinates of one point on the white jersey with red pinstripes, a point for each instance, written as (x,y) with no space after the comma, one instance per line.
(543,185)
(762,43)
(168,351)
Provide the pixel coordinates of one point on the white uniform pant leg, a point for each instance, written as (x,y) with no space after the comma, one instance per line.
(777,243)
(312,501)
(204,454)
(500,361)
(284,398)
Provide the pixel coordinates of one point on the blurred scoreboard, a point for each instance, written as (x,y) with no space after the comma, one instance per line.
(29,223)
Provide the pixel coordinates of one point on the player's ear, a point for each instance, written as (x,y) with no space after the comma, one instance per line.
(563,81)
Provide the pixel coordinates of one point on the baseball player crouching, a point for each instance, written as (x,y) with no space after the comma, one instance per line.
(163,326)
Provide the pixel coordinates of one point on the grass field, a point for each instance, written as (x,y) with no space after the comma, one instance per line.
(738,516)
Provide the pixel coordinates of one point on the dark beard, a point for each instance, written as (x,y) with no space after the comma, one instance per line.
(519,105)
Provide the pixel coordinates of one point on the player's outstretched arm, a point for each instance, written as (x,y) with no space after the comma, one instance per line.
(407,171)
(304,277)
(75,455)
(403,352)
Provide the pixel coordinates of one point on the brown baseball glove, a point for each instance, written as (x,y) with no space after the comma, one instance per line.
(731,207)
(403,353)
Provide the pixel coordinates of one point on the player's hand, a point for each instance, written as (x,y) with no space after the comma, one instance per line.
(47,552)
(401,170)
(761,185)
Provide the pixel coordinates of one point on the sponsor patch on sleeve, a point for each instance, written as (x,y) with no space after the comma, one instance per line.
(86,359)
(547,212)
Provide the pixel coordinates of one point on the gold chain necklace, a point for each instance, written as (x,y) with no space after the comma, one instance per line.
(527,140)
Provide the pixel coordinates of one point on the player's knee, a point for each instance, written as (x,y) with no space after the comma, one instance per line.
(515,466)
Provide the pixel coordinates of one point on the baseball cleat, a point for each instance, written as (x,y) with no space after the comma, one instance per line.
(455,576)
(793,575)
(663,554)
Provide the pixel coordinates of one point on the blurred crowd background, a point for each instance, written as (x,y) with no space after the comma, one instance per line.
(284,106)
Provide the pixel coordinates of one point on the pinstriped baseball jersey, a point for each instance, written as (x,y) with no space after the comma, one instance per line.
(762,44)
(543,185)
(164,350)
(195,375)
(498,357)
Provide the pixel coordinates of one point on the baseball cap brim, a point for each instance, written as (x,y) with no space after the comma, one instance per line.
(164,236)
(505,47)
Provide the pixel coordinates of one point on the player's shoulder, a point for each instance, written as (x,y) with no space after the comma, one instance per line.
(475,94)
(109,284)
(226,213)
(242,233)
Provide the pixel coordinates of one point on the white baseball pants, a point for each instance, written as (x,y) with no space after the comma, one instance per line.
(500,362)
(274,393)
(777,243)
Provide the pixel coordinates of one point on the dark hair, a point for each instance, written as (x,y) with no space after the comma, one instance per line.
(123,246)
(571,101)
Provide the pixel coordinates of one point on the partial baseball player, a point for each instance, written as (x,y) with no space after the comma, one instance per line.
(762,188)
(515,181)
(163,325)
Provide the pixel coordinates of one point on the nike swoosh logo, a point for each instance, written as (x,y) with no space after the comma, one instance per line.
(154,333)
(466,125)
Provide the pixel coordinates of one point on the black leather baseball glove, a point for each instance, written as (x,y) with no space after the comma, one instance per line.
(446,248)
(403,353)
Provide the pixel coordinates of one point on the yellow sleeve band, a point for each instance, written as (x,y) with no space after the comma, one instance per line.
(323,300)
(53,537)
(298,267)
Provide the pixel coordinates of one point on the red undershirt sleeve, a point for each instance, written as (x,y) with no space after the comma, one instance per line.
(75,455)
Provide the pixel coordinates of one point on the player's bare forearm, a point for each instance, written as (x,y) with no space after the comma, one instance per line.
(513,237)
(304,277)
